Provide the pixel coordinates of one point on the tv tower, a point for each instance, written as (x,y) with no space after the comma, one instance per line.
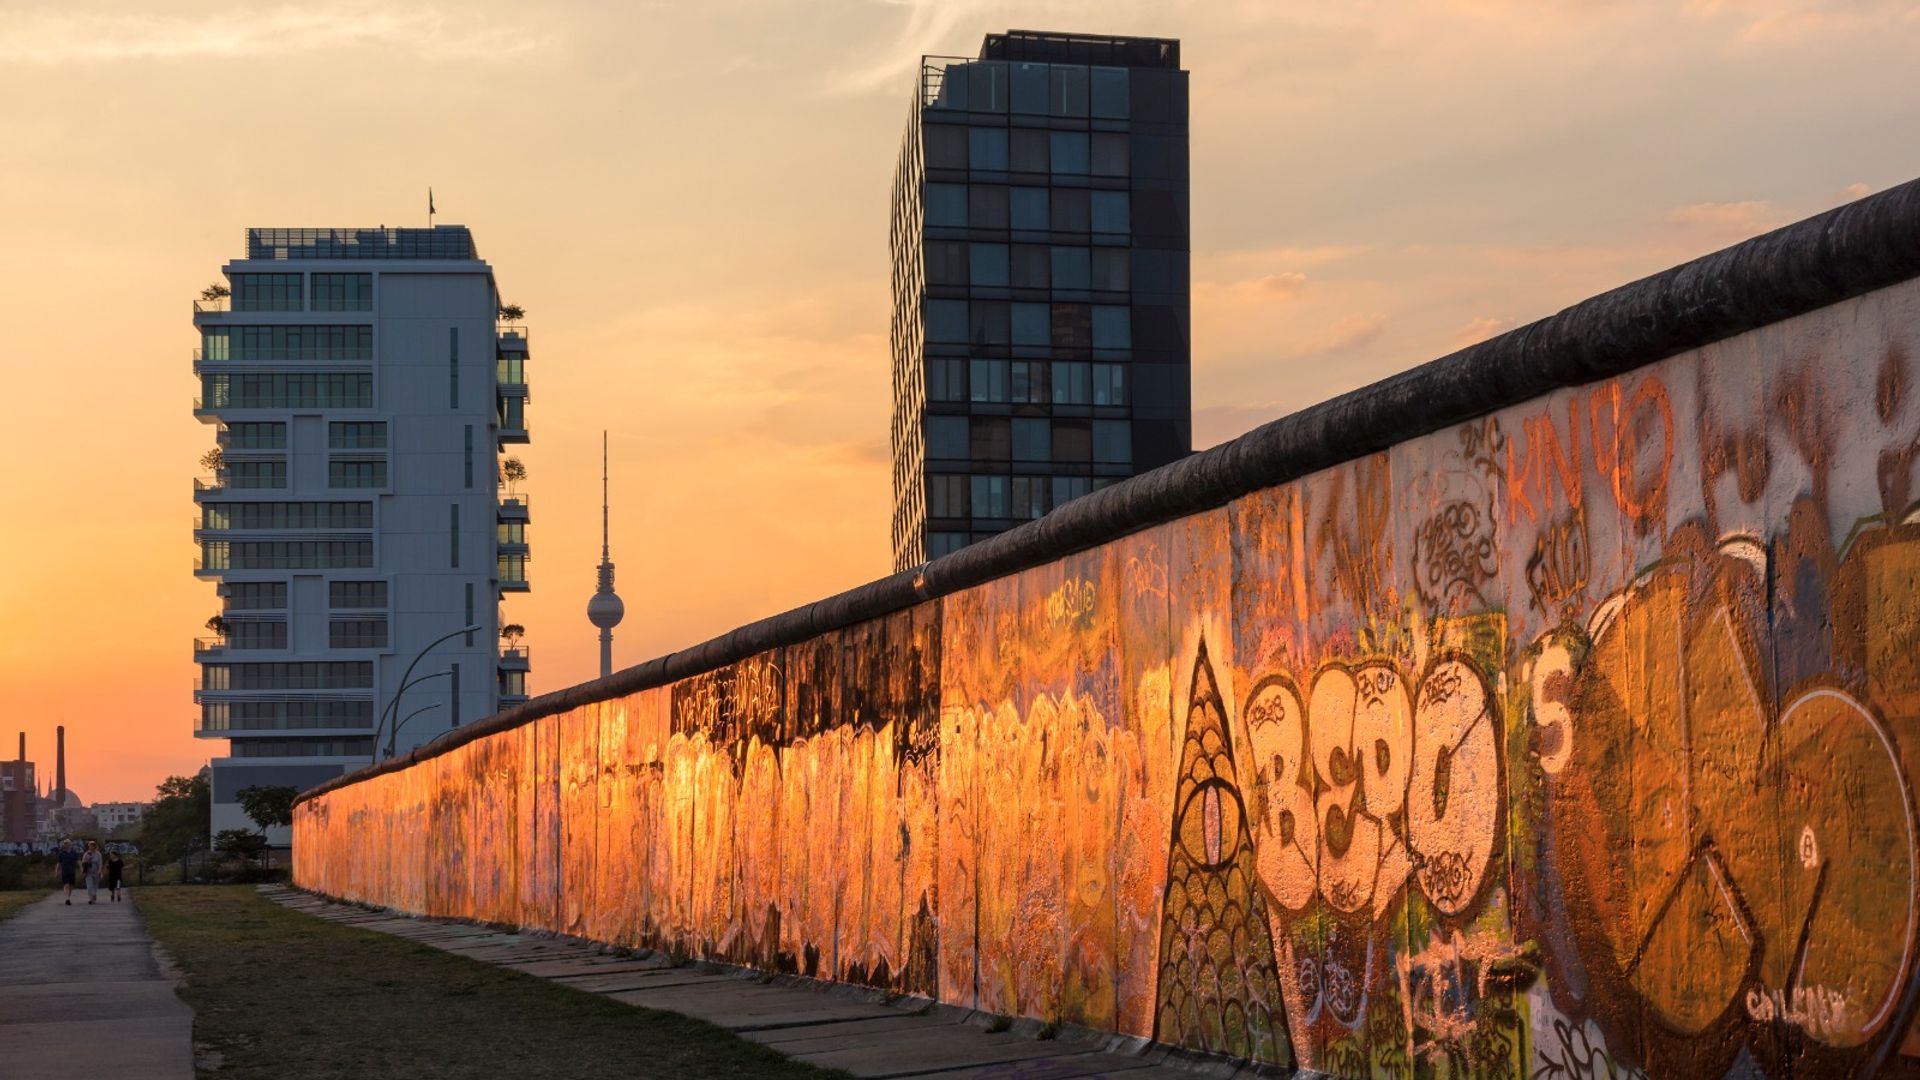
(605,609)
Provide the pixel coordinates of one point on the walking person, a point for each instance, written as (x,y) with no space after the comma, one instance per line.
(116,869)
(92,864)
(69,863)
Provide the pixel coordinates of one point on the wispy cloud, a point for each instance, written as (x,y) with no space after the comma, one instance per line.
(79,37)
(929,24)
(1352,332)
(1479,329)
(1265,289)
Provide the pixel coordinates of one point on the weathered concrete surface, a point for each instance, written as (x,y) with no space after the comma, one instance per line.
(1550,711)
(833,1027)
(81,994)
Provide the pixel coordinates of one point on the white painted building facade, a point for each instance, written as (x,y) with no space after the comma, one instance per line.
(362,393)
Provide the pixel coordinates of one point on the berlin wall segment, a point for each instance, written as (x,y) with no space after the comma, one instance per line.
(1575,740)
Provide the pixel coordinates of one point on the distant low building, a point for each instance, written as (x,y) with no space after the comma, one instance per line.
(119,815)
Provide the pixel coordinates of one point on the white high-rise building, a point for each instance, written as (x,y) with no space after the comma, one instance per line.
(362,392)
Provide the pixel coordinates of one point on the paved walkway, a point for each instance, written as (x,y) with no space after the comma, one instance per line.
(832,1026)
(81,994)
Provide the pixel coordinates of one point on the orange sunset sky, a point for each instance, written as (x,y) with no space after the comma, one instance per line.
(690,200)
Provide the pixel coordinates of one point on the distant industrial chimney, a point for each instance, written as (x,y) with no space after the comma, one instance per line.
(19,799)
(59,766)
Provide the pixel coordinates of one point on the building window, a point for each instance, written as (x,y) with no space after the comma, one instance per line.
(1029,89)
(1070,385)
(1028,382)
(469,459)
(258,435)
(1109,384)
(1072,441)
(1113,442)
(946,496)
(511,413)
(511,569)
(944,543)
(946,379)
(1112,269)
(1031,324)
(946,206)
(287,554)
(990,442)
(1027,151)
(987,149)
(1068,488)
(1067,92)
(987,206)
(454,678)
(1032,440)
(1027,209)
(1112,327)
(468,590)
(357,595)
(351,473)
(256,634)
(946,321)
(356,633)
(357,436)
(989,496)
(987,380)
(1110,154)
(1072,326)
(947,438)
(987,87)
(1071,267)
(1109,93)
(945,145)
(453,535)
(1070,213)
(989,323)
(288,390)
(287,515)
(271,748)
(343,292)
(946,262)
(1029,268)
(1027,497)
(266,292)
(290,675)
(249,343)
(1070,153)
(255,595)
(1111,213)
(256,474)
(453,367)
(987,264)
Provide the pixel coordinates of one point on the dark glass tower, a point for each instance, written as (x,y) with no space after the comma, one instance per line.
(1040,282)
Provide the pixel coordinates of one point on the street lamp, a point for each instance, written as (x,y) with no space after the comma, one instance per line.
(416,712)
(404,687)
(393,706)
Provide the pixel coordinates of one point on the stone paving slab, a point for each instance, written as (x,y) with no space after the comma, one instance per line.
(82,994)
(824,1024)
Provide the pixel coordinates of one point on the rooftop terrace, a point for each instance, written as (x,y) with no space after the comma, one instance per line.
(451,242)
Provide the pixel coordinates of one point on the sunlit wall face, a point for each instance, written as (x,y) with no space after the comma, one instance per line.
(1579,737)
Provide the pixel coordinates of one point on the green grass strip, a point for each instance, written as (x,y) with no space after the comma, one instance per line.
(280,994)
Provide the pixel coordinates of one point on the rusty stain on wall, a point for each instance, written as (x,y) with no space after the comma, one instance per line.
(1576,741)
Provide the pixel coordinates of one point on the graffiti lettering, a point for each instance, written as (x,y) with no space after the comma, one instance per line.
(1453,550)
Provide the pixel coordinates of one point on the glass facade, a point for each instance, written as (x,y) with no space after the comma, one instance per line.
(1039,246)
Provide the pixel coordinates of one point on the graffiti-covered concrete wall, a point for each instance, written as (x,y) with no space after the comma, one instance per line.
(1574,739)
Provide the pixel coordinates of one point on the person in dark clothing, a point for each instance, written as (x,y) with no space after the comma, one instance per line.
(116,868)
(69,862)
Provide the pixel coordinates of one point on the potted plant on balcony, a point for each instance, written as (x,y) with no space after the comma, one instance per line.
(214,460)
(512,312)
(215,291)
(511,633)
(218,624)
(512,472)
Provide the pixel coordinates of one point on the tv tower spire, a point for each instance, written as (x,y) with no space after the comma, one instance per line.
(605,609)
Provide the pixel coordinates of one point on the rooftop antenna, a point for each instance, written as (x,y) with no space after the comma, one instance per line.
(605,609)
